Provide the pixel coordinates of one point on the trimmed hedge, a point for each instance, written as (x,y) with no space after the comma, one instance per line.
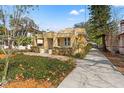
(35,49)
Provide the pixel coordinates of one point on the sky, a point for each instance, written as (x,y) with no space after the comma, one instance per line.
(57,17)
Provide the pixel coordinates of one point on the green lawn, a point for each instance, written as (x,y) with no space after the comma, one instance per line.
(38,68)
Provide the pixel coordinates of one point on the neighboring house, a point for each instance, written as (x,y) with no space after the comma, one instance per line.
(121,43)
(70,38)
(6,42)
(112,42)
(115,42)
(26,33)
(121,38)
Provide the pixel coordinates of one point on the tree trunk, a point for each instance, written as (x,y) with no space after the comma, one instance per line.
(104,43)
(4,78)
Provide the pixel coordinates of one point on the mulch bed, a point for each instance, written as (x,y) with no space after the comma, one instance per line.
(2,56)
(30,83)
(116,59)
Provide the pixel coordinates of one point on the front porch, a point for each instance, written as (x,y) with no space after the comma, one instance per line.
(48,45)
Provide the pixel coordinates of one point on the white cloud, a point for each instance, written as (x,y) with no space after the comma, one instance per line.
(74,12)
(77,12)
(81,10)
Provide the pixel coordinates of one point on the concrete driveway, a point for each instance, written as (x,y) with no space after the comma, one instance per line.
(94,71)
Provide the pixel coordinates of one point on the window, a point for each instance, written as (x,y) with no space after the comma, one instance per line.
(39,42)
(67,41)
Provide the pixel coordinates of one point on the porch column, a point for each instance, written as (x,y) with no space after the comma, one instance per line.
(55,43)
(34,41)
(45,43)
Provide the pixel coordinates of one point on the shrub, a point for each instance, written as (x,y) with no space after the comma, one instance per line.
(71,61)
(65,51)
(79,55)
(84,53)
(35,49)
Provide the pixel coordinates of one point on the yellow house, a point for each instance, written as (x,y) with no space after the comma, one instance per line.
(71,39)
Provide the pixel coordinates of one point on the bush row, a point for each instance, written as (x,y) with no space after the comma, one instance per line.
(63,51)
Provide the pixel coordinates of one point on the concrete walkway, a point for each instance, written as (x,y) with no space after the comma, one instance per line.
(94,71)
(59,57)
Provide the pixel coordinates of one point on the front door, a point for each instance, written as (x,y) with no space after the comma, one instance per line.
(50,43)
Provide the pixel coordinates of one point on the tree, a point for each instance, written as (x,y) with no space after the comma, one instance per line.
(2,29)
(100,16)
(3,16)
(26,25)
(79,25)
(15,20)
(25,40)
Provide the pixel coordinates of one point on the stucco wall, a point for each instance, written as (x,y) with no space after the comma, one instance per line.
(73,34)
(121,44)
(112,43)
